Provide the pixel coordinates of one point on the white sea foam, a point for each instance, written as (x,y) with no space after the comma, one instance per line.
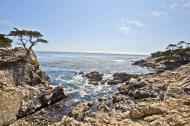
(119,61)
(82,93)
(107,76)
(78,77)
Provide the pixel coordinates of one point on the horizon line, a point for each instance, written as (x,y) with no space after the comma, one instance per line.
(116,53)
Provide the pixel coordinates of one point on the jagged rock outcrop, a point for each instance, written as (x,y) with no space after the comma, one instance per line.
(24,87)
(161,63)
(117,78)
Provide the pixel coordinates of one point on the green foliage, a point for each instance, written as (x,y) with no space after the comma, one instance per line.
(171,47)
(25,33)
(4,41)
(42,41)
(181,44)
(27,38)
(174,51)
(156,54)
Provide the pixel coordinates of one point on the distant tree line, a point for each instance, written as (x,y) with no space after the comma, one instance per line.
(25,38)
(179,45)
(179,51)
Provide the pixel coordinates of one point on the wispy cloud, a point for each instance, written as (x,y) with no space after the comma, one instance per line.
(6,23)
(176,4)
(158,14)
(129,26)
(168,6)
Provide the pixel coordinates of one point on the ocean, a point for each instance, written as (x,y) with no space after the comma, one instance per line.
(64,68)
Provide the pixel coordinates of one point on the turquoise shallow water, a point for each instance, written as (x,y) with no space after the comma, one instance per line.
(64,68)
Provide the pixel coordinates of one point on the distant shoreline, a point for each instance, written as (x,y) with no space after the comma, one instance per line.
(103,53)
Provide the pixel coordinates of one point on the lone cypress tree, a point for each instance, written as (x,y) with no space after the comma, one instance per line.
(27,39)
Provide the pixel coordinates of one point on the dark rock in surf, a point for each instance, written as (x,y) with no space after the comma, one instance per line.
(94,77)
(122,77)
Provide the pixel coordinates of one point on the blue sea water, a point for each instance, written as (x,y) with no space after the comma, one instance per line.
(64,69)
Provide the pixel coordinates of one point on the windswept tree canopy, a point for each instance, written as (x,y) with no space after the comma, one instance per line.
(181,43)
(4,41)
(27,38)
(171,46)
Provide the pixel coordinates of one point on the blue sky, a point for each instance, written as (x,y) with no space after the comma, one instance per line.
(135,26)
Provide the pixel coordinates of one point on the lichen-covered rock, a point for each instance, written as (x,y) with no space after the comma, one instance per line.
(80,110)
(118,98)
(103,104)
(10,102)
(140,111)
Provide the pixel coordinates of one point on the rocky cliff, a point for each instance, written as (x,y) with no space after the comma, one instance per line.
(24,87)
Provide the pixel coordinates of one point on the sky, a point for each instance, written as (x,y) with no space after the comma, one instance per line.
(109,26)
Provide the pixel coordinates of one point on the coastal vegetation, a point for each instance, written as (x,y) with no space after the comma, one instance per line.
(179,52)
(25,38)
(173,57)
(5,44)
